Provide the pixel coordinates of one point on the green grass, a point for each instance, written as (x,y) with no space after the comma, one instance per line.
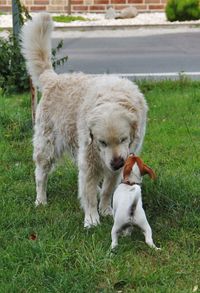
(65,257)
(69,18)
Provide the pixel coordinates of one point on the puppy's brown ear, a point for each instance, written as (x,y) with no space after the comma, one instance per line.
(147,170)
(128,166)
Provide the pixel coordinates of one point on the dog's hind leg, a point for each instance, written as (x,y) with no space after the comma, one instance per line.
(44,157)
(41,177)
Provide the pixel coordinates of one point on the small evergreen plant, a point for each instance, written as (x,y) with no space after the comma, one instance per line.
(182,10)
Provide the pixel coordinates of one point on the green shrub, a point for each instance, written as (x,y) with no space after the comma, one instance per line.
(13,74)
(182,10)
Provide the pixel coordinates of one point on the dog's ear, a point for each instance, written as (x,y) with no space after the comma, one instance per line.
(130,111)
(147,170)
(134,131)
(91,137)
(125,103)
(90,123)
(131,114)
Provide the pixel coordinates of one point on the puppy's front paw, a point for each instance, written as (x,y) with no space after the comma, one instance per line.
(91,220)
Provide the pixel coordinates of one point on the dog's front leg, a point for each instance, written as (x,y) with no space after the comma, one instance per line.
(88,196)
(109,183)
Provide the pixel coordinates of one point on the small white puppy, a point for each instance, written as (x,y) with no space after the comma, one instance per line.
(127,202)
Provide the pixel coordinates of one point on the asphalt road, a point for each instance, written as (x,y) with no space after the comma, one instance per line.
(159,53)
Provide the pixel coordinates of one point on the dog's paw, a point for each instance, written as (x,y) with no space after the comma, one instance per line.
(105,211)
(91,220)
(40,202)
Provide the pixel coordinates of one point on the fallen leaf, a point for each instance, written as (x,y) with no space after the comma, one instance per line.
(195,288)
(33,236)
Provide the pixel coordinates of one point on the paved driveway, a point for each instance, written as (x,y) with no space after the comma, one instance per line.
(139,52)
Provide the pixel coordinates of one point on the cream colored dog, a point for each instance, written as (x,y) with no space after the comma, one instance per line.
(98,120)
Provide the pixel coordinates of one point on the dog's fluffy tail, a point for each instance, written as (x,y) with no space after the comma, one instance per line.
(36,45)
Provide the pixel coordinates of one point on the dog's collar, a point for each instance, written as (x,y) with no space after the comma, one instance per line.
(127,182)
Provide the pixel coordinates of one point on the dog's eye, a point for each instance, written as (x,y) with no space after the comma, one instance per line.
(123,139)
(103,143)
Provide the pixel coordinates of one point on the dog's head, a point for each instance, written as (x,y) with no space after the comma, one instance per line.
(113,129)
(135,168)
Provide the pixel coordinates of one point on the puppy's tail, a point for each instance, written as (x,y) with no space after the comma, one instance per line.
(36,45)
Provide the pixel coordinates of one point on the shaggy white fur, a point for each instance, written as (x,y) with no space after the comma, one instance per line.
(98,120)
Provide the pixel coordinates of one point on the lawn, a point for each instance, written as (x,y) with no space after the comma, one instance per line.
(69,18)
(46,249)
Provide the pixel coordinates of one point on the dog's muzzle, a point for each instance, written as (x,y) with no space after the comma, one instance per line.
(117,163)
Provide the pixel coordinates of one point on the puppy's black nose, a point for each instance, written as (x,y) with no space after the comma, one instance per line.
(117,163)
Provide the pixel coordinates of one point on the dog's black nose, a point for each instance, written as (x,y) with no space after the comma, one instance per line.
(117,163)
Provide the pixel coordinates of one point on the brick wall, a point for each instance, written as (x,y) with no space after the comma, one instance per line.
(61,6)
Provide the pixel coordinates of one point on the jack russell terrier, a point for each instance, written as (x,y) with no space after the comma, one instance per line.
(127,201)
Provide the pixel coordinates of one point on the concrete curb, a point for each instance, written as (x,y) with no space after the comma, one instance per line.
(126,27)
(120,27)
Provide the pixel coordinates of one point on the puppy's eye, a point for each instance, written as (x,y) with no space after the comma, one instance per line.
(123,139)
(103,143)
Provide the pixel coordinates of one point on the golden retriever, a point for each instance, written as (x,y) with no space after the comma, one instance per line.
(99,120)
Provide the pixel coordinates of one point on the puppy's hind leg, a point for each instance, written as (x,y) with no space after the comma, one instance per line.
(114,236)
(141,221)
(120,224)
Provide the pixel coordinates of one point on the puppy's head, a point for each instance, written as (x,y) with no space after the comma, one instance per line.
(135,168)
(111,128)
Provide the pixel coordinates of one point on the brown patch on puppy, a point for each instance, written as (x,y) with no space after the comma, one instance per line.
(149,171)
(132,209)
(128,166)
